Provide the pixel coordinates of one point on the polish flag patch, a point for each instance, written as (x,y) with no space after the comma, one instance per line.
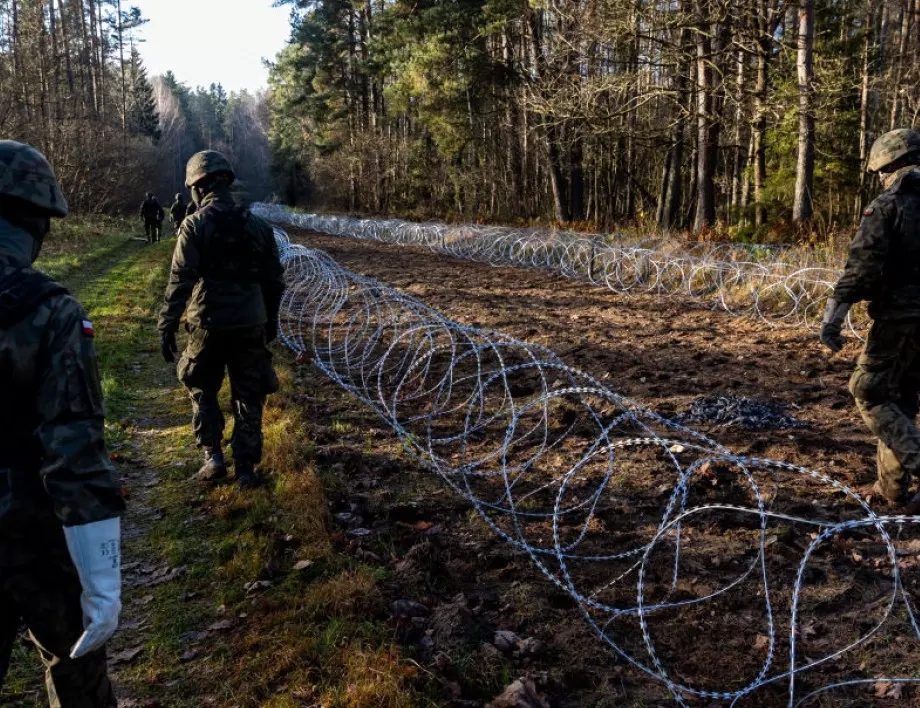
(88,329)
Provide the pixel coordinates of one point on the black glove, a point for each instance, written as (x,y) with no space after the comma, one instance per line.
(834,316)
(168,346)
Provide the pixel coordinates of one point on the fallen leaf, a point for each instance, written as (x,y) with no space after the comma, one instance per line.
(303,565)
(190,655)
(221,626)
(423,525)
(888,689)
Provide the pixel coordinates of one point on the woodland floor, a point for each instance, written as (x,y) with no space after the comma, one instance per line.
(356,579)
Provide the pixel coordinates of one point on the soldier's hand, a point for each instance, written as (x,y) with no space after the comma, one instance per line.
(831,337)
(168,347)
(835,313)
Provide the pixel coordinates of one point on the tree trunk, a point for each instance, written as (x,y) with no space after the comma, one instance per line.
(805,170)
(705,178)
(577,181)
(864,111)
(760,117)
(738,152)
(65,36)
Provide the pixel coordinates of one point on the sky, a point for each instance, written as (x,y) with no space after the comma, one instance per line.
(180,36)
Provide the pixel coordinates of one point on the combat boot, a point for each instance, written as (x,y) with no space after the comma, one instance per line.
(214,467)
(246,475)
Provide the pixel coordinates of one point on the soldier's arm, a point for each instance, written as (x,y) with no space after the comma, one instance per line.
(183,276)
(273,275)
(865,266)
(75,471)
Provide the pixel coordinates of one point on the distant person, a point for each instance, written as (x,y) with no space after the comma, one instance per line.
(153,215)
(226,263)
(884,268)
(177,211)
(54,468)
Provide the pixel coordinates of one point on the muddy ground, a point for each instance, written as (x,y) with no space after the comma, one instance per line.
(662,353)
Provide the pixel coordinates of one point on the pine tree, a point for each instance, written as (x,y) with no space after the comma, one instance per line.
(142,116)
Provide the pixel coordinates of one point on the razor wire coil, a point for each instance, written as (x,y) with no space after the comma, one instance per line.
(773,284)
(544,453)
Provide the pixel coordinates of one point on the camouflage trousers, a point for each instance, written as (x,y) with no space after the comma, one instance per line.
(886,386)
(39,588)
(243,354)
(152,229)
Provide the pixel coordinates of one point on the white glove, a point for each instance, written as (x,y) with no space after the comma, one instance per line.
(95,550)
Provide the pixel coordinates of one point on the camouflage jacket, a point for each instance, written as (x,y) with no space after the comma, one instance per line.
(883,266)
(177,211)
(151,210)
(225,268)
(54,467)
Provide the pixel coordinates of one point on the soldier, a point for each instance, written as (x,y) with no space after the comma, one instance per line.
(884,268)
(226,261)
(54,468)
(177,211)
(152,214)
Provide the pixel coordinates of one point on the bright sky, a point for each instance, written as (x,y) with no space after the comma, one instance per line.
(213,41)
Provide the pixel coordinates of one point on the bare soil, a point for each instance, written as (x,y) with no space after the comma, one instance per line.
(662,353)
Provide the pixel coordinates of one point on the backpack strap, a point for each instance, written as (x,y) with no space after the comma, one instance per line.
(23,290)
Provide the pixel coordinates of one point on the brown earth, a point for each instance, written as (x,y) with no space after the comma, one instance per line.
(454,584)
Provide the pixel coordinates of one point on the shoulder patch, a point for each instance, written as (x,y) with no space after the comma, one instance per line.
(88,329)
(869,211)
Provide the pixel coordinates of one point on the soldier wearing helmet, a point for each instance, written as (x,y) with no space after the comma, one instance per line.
(884,268)
(54,468)
(228,280)
(152,215)
(177,210)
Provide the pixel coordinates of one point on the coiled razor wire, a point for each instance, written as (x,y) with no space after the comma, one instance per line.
(768,283)
(703,569)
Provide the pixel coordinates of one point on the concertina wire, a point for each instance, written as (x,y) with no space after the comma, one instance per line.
(547,456)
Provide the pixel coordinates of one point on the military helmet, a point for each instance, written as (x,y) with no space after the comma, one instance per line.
(207,163)
(25,174)
(892,147)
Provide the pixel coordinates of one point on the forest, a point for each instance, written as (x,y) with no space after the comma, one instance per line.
(737,118)
(530,331)
(73,83)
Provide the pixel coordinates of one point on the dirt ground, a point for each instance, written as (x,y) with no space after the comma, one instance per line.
(662,353)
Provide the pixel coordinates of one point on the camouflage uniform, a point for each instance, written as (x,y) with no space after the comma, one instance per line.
(152,214)
(884,268)
(227,270)
(54,468)
(177,211)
